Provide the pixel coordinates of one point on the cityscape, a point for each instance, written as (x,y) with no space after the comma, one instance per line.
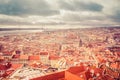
(68,54)
(59,39)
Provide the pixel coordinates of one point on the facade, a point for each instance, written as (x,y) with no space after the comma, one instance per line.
(44,57)
(23,59)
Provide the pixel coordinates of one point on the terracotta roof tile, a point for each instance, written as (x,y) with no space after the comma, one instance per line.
(43,53)
(1,57)
(2,67)
(23,56)
(34,57)
(54,57)
(15,66)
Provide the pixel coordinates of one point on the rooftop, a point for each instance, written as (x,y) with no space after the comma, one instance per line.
(34,57)
(26,73)
(24,57)
(43,53)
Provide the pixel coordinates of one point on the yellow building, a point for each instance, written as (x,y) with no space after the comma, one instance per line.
(44,57)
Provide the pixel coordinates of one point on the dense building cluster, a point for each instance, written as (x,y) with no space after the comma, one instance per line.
(71,54)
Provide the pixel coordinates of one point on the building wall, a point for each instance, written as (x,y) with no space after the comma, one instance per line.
(44,59)
(53,63)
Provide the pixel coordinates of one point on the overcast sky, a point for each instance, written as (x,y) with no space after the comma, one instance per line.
(60,12)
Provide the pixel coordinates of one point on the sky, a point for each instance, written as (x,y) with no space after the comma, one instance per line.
(80,13)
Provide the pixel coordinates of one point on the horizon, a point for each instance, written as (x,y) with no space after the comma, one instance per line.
(26,27)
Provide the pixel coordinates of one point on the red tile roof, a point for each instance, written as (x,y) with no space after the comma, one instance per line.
(76,69)
(34,57)
(7,52)
(54,57)
(15,66)
(1,58)
(115,65)
(2,67)
(23,56)
(70,76)
(43,53)
(5,65)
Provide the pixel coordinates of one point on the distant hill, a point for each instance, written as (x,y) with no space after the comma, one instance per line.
(12,29)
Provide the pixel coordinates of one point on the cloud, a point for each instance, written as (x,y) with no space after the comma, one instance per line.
(60,12)
(90,6)
(12,20)
(26,7)
(63,4)
(77,5)
(112,11)
(115,16)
